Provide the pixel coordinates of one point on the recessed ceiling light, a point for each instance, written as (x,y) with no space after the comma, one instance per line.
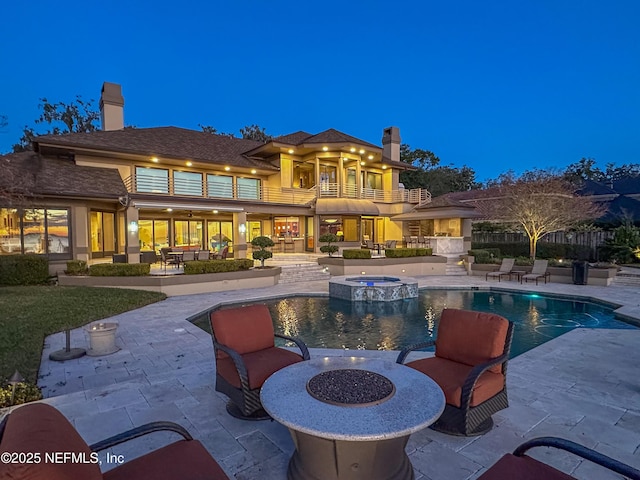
(324,149)
(215,211)
(384,167)
(352,149)
(169,209)
(189,164)
(291,150)
(253,171)
(154,159)
(370,157)
(226,169)
(361,151)
(362,163)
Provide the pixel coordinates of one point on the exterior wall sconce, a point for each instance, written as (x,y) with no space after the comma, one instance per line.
(242,228)
(133,227)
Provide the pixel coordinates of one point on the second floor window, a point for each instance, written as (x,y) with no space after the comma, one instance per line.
(220,186)
(248,188)
(187,183)
(152,180)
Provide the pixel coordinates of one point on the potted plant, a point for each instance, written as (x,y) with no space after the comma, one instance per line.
(329,238)
(262,254)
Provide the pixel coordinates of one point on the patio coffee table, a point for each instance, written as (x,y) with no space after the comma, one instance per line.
(351,417)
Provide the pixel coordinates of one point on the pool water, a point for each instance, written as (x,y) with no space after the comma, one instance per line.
(334,323)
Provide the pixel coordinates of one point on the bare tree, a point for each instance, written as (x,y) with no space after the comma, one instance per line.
(541,201)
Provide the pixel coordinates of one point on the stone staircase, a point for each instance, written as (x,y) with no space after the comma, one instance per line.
(455,267)
(303,272)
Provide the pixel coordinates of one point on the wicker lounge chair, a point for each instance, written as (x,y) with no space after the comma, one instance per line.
(38,429)
(538,271)
(245,354)
(505,269)
(523,467)
(470,365)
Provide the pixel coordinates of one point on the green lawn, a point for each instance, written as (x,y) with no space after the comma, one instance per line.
(29,314)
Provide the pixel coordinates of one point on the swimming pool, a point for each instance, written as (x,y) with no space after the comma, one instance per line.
(334,323)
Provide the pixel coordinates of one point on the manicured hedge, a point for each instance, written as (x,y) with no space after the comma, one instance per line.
(119,269)
(23,269)
(408,252)
(353,253)
(76,267)
(543,250)
(217,266)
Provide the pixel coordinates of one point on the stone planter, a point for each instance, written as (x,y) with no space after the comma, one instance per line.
(102,338)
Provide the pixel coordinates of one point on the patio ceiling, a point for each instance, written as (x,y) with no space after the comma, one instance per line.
(346,206)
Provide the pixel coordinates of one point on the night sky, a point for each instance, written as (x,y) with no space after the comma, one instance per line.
(495,85)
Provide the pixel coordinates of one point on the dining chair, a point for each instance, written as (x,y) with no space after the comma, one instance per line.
(203,255)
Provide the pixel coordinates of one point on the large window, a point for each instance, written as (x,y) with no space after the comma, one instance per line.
(220,235)
(374,180)
(303,175)
(286,226)
(152,180)
(188,233)
(154,234)
(34,230)
(220,186)
(187,183)
(346,228)
(248,188)
(103,233)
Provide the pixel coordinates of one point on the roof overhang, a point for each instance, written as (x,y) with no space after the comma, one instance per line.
(443,212)
(184,206)
(346,206)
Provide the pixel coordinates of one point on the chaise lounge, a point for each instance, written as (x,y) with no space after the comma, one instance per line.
(505,269)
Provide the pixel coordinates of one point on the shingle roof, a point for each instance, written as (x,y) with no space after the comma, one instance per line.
(328,136)
(26,173)
(442,201)
(589,187)
(170,142)
(627,185)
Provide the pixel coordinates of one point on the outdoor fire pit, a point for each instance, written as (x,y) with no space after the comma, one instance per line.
(351,417)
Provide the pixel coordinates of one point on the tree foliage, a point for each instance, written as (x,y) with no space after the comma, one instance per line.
(586,169)
(77,116)
(540,201)
(329,238)
(430,175)
(262,242)
(255,132)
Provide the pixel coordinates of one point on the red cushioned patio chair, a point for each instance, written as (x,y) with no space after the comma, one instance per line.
(38,429)
(246,355)
(470,365)
(523,467)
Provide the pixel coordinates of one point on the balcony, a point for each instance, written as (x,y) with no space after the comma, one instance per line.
(191,189)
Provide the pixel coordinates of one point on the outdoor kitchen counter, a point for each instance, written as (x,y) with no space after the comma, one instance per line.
(354,441)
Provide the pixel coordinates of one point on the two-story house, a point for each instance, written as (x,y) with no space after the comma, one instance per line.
(127,190)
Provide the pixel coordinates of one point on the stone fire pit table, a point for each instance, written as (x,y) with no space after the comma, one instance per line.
(351,417)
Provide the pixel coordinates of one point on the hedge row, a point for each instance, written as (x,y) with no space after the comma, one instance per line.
(217,266)
(543,250)
(408,252)
(352,253)
(23,269)
(119,269)
(76,267)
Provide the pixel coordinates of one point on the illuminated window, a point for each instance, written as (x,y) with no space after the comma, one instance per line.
(35,230)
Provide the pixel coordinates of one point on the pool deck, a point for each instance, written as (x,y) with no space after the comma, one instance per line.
(583,386)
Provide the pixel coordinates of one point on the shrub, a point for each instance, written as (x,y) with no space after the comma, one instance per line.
(23,269)
(353,253)
(329,238)
(76,267)
(119,269)
(544,250)
(262,254)
(510,250)
(481,255)
(24,392)
(198,267)
(407,252)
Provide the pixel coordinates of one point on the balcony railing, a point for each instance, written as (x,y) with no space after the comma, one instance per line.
(259,193)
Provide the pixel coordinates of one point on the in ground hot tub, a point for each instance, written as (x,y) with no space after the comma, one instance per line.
(373,288)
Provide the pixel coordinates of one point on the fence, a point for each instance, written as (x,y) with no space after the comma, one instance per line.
(588,239)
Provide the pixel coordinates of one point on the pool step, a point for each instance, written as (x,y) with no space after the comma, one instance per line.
(455,267)
(306,272)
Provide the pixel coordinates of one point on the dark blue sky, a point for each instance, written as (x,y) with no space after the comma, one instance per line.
(495,85)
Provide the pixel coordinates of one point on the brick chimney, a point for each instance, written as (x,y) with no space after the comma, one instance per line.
(112,106)
(391,143)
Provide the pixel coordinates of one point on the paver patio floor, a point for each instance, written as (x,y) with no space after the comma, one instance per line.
(583,386)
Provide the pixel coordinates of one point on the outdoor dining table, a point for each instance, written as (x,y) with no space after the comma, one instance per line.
(177,255)
(351,417)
